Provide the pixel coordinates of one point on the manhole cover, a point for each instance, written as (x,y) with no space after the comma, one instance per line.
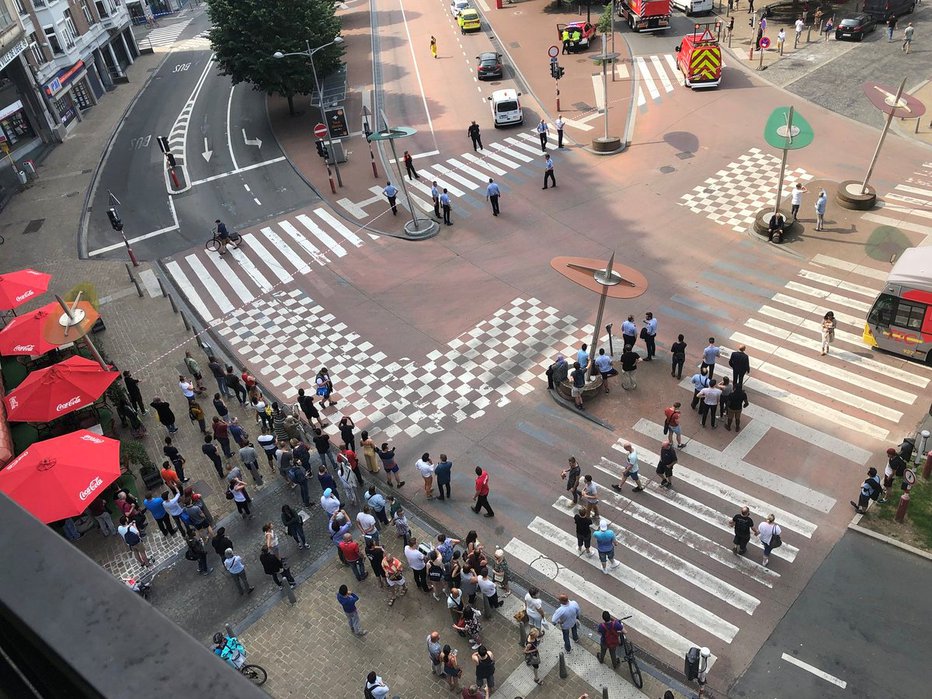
(34,225)
(582,107)
(667,169)
(684,155)
(514,45)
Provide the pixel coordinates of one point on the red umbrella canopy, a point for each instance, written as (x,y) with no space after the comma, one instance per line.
(16,288)
(24,334)
(60,477)
(49,393)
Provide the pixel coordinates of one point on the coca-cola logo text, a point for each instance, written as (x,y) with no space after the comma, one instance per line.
(25,295)
(70,404)
(91,487)
(91,438)
(25,348)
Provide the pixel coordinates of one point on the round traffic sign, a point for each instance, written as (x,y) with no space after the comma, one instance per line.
(553,51)
(909,476)
(764,42)
(320,130)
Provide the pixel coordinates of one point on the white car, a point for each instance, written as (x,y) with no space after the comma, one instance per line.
(693,7)
(457,6)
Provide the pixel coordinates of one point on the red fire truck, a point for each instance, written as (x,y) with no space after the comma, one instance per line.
(699,58)
(645,15)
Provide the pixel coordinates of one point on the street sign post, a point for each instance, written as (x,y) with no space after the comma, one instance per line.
(764,42)
(893,104)
(320,131)
(786,130)
(553,52)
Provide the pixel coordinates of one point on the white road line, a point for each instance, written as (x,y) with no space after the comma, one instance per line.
(591,117)
(731,461)
(642,100)
(908,200)
(671,61)
(870,272)
(691,507)
(306,245)
(484,162)
(218,295)
(808,323)
(229,132)
(664,80)
(518,143)
(300,266)
(815,671)
(414,184)
(597,89)
(646,78)
(417,70)
(838,283)
(914,190)
(692,574)
(829,296)
(238,170)
(321,235)
(188,290)
(621,70)
(467,170)
(446,174)
(812,364)
(511,153)
(251,270)
(896,223)
(641,584)
(339,227)
(908,210)
(664,637)
(254,243)
(818,310)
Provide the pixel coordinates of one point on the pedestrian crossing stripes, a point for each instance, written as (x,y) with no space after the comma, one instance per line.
(163,37)
(908,206)
(742,188)
(657,76)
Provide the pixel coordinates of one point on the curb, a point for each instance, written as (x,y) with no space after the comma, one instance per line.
(854,526)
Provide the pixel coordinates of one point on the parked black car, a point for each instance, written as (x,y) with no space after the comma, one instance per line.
(489,66)
(855,27)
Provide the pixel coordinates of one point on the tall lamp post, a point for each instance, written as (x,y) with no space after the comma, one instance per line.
(320,95)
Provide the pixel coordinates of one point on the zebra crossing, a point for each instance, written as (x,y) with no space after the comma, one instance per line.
(908,206)
(162,38)
(657,76)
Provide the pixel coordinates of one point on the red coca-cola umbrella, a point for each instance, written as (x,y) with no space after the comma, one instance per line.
(16,288)
(60,477)
(62,388)
(25,334)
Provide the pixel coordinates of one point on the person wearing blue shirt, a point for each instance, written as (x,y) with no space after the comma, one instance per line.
(699,381)
(548,168)
(375,501)
(492,193)
(391,193)
(348,601)
(709,355)
(629,332)
(435,197)
(605,545)
(156,506)
(650,335)
(443,472)
(567,618)
(445,204)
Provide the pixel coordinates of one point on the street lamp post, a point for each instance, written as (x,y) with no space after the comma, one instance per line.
(320,95)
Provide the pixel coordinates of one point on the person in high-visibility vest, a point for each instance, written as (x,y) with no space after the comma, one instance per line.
(566,41)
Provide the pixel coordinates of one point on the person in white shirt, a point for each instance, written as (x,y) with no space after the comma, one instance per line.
(489,593)
(534,608)
(367,525)
(567,618)
(560,123)
(769,533)
(710,397)
(426,468)
(417,561)
(631,469)
(376,686)
(650,335)
(604,364)
(330,502)
(542,131)
(796,199)
(799,26)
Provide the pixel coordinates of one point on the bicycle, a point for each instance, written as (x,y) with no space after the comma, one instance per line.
(215,244)
(633,668)
(229,649)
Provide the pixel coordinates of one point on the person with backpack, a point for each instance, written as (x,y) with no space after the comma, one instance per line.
(130,534)
(298,476)
(871,489)
(769,533)
(610,632)
(375,688)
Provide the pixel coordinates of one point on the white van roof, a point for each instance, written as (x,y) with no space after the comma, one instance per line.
(500,95)
(913,269)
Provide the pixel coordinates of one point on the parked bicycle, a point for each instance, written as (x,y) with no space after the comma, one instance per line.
(232,651)
(631,659)
(220,244)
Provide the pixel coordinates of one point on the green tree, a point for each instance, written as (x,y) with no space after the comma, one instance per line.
(246,33)
(604,25)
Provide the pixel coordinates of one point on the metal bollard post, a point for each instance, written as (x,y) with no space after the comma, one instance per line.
(604,692)
(563,673)
(289,593)
(134,280)
(927,469)
(922,446)
(161,286)
(522,635)
(902,508)
(172,302)
(808,33)
(187,326)
(760,66)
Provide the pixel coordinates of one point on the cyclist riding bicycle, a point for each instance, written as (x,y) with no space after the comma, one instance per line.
(223,235)
(230,649)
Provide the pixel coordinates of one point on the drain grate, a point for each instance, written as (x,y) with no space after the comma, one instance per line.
(667,169)
(582,107)
(685,155)
(33,226)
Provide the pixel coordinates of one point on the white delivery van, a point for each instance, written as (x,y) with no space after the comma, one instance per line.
(506,108)
(693,7)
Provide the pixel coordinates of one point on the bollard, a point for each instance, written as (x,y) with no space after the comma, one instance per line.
(604,692)
(289,593)
(927,469)
(129,271)
(187,326)
(902,508)
(808,33)
(922,445)
(172,302)
(563,673)
(175,183)
(751,54)
(161,286)
(522,636)
(760,66)
(133,280)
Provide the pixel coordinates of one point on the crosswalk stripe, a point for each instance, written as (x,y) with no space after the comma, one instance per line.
(531,137)
(869,272)
(321,235)
(187,289)
(691,507)
(818,309)
(597,91)
(305,244)
(646,78)
(838,283)
(664,637)
(250,268)
(671,61)
(443,175)
(517,143)
(228,274)
(739,599)
(213,289)
(482,162)
(425,206)
(467,170)
(712,456)
(420,186)
(897,223)
(511,153)
(641,584)
(859,380)
(909,211)
(338,226)
(254,243)
(664,80)
(621,70)
(908,200)
(828,296)
(708,547)
(292,255)
(800,322)
(914,190)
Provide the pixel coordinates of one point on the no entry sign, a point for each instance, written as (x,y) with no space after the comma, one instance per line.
(764,42)
(320,130)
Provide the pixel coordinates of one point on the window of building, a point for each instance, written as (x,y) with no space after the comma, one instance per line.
(87,12)
(20,7)
(71,31)
(35,49)
(39,3)
(102,9)
(5,18)
(51,36)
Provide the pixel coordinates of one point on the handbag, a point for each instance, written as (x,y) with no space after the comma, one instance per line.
(643,334)
(666,426)
(521,616)
(775,541)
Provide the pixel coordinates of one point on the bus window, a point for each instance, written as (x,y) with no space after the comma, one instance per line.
(883,311)
(909,315)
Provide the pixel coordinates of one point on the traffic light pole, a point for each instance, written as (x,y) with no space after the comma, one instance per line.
(117,224)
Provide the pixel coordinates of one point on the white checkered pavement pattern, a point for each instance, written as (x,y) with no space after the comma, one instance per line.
(741,189)
(288,336)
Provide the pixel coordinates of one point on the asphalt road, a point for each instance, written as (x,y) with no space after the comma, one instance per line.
(863,618)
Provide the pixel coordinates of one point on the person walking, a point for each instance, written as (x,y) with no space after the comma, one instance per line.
(710,396)
(610,632)
(548,169)
(629,364)
(629,332)
(433,47)
(649,335)
(781,40)
(446,205)
(796,199)
(542,132)
(737,400)
(671,423)
(632,469)
(571,475)
(798,28)
(196,414)
(559,124)
(443,473)
(871,489)
(394,577)
(306,403)
(485,668)
(210,451)
(275,566)
(435,198)
(391,193)
(348,600)
(219,374)
(665,465)
(820,210)
(770,534)
(132,390)
(743,526)
(908,37)
(481,496)
(740,365)
(532,653)
(891,26)
(605,545)
(709,355)
(164,412)
(583,523)
(237,570)
(492,193)
(475,136)
(409,166)
(678,357)
(828,331)
(590,497)
(197,552)
(234,382)
(389,464)
(566,617)
(295,526)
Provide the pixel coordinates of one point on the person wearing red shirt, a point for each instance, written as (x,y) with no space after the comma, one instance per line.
(170,477)
(353,556)
(672,423)
(482,493)
(222,435)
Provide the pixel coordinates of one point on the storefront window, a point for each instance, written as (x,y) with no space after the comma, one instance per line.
(14,128)
(66,108)
(80,95)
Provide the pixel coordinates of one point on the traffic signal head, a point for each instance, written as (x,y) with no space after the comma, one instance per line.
(115,221)
(560,72)
(321,149)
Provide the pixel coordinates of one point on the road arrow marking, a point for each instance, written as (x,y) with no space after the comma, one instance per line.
(207,151)
(251,141)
